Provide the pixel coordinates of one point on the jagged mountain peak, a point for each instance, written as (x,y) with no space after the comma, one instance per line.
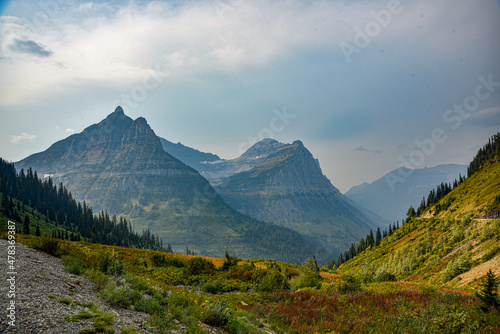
(113,156)
(117,116)
(117,113)
(295,154)
(289,188)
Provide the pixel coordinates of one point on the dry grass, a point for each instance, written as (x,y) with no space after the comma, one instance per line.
(479,271)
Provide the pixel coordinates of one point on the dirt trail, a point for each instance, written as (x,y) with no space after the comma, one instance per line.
(40,285)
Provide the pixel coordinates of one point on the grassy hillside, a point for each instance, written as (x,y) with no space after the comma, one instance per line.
(191,294)
(478,195)
(452,243)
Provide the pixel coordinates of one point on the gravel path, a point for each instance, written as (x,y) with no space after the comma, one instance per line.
(40,285)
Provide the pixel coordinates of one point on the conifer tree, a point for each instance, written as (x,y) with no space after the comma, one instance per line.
(371,239)
(411,212)
(378,236)
(37,233)
(26,225)
(93,235)
(5,203)
(488,294)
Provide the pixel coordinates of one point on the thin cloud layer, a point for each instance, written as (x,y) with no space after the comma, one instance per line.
(364,150)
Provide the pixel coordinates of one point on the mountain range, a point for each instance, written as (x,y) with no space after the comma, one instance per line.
(284,184)
(392,195)
(119,165)
(215,169)
(272,195)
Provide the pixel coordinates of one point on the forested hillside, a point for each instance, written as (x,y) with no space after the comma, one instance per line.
(40,207)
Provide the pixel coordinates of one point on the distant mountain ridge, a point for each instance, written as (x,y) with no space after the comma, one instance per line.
(392,195)
(189,156)
(120,165)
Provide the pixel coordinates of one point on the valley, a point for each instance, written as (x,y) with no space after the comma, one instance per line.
(273,201)
(280,272)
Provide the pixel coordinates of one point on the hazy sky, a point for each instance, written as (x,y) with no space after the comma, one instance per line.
(367,86)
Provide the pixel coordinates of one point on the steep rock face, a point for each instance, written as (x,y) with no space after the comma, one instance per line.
(289,169)
(392,195)
(259,151)
(115,162)
(289,188)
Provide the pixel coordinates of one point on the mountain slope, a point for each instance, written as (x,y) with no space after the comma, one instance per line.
(189,156)
(455,241)
(289,188)
(119,165)
(391,195)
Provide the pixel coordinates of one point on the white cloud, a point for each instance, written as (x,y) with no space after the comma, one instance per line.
(23,137)
(68,130)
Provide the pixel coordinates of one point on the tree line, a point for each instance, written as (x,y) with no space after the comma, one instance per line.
(370,241)
(26,193)
(488,152)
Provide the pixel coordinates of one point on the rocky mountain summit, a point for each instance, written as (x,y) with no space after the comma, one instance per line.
(117,162)
(287,169)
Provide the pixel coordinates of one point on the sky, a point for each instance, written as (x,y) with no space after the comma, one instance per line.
(367,86)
